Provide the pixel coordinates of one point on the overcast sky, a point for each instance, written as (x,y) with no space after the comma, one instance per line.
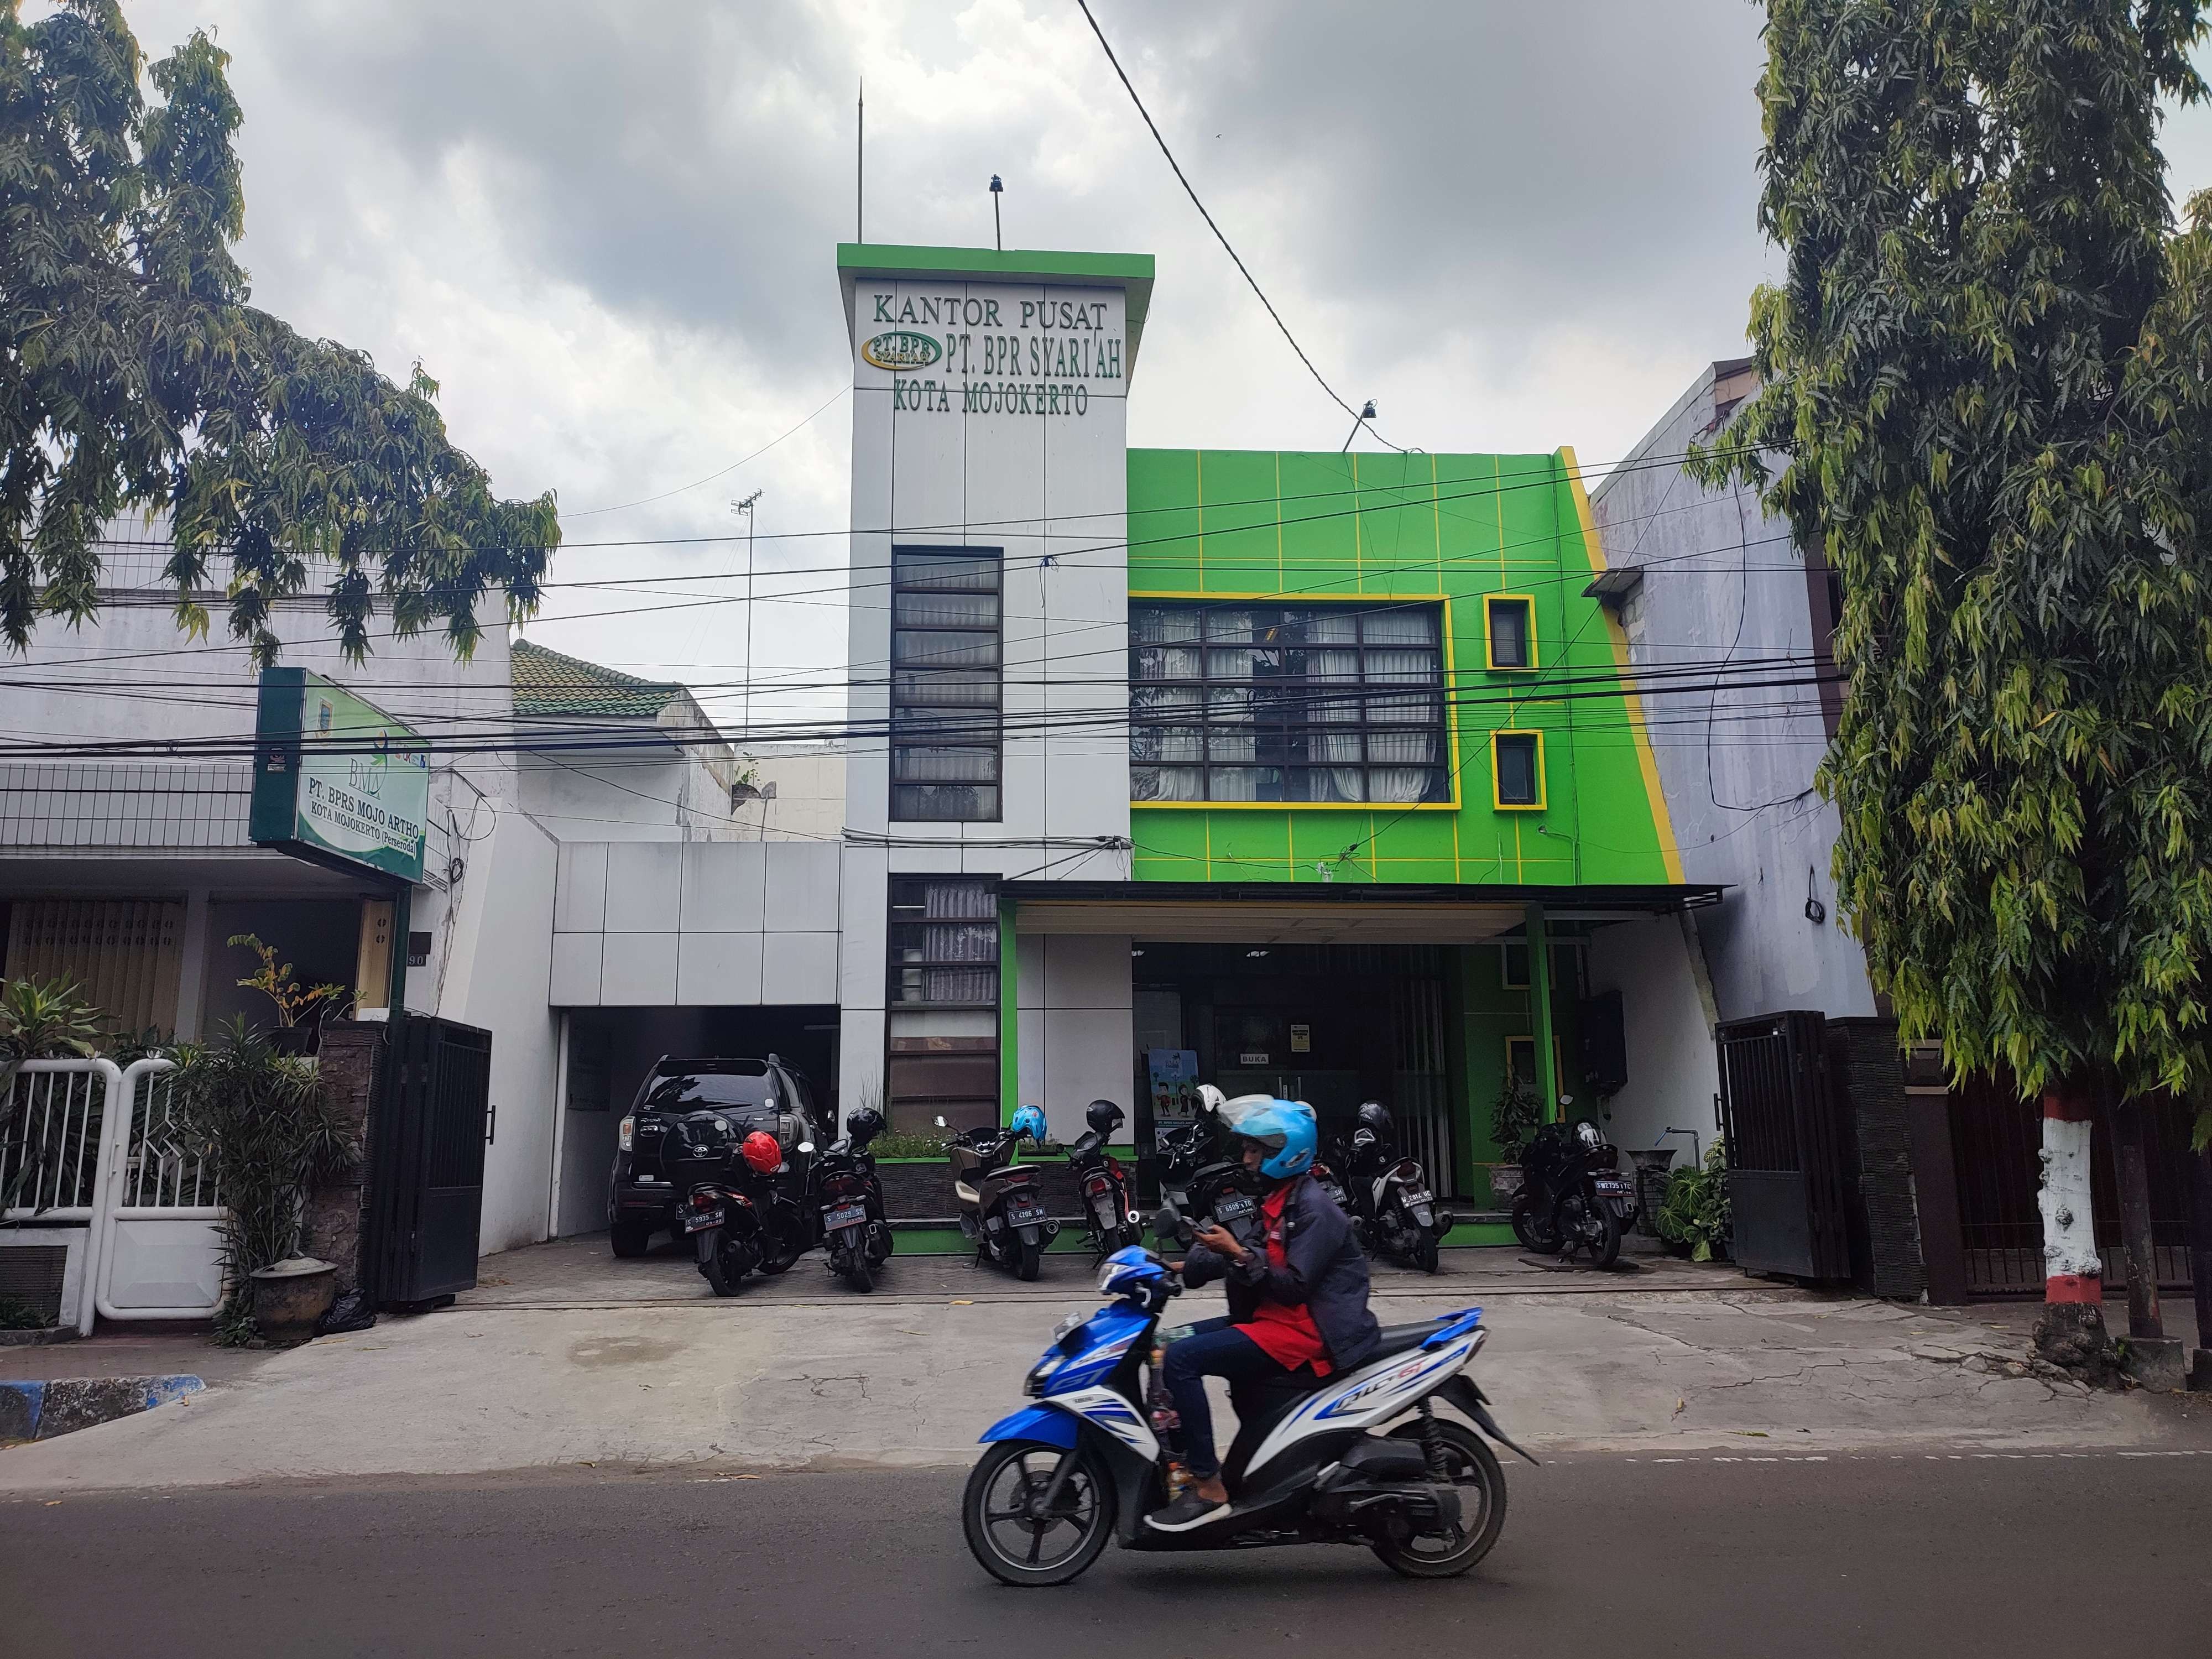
(608,229)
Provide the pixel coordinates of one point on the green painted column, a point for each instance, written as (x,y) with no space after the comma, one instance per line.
(1010,1067)
(1540,1009)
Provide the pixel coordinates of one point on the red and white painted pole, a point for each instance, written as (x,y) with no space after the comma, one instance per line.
(2072,1329)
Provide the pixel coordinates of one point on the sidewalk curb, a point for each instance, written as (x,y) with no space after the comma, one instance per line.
(42,1411)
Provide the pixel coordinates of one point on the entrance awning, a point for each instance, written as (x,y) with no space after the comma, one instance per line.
(1318,912)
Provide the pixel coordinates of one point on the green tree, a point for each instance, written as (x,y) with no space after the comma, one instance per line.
(1988,381)
(134,376)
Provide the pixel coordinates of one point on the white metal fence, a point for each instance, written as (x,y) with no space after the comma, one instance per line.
(113,1159)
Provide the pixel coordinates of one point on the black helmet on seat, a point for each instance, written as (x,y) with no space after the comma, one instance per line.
(1374,1115)
(863,1125)
(1103,1116)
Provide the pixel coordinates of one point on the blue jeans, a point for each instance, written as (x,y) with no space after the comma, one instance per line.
(1214,1348)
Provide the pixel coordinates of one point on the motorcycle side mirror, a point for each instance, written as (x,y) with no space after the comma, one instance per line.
(1169,1226)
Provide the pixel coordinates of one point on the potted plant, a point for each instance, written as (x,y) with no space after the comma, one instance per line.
(301,1009)
(1514,1116)
(1696,1218)
(262,1117)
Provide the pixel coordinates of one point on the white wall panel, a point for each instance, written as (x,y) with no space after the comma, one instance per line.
(800,968)
(577,959)
(802,888)
(644,886)
(718,970)
(723,886)
(638,971)
(580,896)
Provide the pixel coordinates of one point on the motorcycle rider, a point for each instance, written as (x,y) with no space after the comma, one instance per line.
(1298,1301)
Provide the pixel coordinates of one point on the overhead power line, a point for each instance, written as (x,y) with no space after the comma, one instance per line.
(1358,415)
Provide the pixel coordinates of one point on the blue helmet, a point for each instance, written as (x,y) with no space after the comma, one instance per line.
(1028,1121)
(1287,1130)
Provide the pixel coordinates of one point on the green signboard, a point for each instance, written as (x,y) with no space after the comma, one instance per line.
(336,779)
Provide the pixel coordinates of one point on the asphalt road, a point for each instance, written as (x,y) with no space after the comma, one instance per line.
(1601,1557)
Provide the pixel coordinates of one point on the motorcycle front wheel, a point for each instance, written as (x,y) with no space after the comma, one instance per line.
(1013,1545)
(1535,1233)
(1480,1484)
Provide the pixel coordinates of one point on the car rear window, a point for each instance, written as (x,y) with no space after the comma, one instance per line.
(710,1089)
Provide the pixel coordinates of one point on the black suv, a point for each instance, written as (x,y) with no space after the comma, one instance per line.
(750,1094)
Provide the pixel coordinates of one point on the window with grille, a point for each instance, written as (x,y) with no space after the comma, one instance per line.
(1321,703)
(946,633)
(943,942)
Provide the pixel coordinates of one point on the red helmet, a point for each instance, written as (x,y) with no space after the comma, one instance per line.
(761,1151)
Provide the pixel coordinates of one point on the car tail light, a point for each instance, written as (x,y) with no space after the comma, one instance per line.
(622,1135)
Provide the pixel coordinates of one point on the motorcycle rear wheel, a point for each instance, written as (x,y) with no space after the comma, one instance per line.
(1425,1256)
(716,1266)
(859,1273)
(1535,1233)
(1008,1544)
(1479,1482)
(1028,1257)
(1601,1233)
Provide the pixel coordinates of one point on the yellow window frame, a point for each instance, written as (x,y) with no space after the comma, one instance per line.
(1528,604)
(1497,801)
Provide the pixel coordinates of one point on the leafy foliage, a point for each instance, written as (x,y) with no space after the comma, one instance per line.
(40,1019)
(271,1132)
(1988,380)
(274,981)
(1696,1210)
(135,374)
(1514,1116)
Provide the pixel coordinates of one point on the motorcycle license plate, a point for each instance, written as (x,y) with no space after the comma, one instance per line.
(1417,1196)
(697,1221)
(1613,1187)
(845,1216)
(1021,1215)
(1232,1206)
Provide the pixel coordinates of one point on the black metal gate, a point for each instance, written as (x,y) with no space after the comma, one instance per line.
(1786,1147)
(427,1130)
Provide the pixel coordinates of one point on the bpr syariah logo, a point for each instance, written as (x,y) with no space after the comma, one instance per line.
(902,348)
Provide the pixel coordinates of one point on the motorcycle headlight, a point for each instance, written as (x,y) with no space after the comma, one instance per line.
(622,1134)
(1041,1373)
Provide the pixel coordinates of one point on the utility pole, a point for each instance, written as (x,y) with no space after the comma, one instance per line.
(745,507)
(998,236)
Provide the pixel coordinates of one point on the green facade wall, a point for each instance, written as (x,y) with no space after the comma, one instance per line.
(1228,523)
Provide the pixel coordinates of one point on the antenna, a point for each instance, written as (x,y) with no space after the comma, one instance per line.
(1366,414)
(745,507)
(861,169)
(997,236)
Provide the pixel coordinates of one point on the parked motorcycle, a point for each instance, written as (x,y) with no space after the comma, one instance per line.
(1110,1203)
(1100,1448)
(851,1201)
(1201,1175)
(703,1156)
(1391,1207)
(1572,1195)
(1001,1212)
